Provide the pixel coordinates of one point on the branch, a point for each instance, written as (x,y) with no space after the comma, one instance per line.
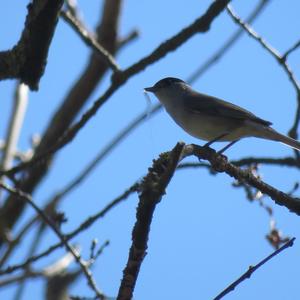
(31,251)
(227,45)
(52,271)
(84,267)
(151,191)
(102,154)
(27,60)
(89,39)
(281,59)
(20,278)
(12,245)
(85,225)
(201,24)
(252,269)
(247,161)
(15,126)
(219,164)
(131,36)
(290,50)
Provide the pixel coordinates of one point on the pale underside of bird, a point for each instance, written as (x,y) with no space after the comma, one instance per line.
(212,119)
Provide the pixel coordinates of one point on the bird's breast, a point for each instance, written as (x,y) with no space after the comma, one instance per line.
(204,126)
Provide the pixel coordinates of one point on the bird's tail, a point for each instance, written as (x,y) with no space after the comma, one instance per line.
(273,135)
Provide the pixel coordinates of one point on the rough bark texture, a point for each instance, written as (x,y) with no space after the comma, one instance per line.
(64,116)
(27,60)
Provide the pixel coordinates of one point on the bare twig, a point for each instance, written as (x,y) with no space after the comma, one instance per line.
(290,50)
(252,269)
(95,254)
(72,7)
(15,125)
(89,39)
(201,24)
(131,36)
(152,189)
(281,59)
(227,45)
(220,164)
(247,161)
(20,278)
(51,270)
(103,153)
(85,225)
(14,243)
(31,251)
(49,222)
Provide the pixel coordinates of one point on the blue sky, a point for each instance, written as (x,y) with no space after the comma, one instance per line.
(205,233)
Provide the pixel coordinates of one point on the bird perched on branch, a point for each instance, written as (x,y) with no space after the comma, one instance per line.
(212,119)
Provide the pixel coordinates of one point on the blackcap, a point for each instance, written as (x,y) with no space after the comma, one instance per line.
(212,119)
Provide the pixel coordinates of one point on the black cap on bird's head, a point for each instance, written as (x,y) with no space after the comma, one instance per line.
(163,83)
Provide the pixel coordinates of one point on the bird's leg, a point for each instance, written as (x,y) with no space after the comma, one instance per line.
(215,140)
(227,146)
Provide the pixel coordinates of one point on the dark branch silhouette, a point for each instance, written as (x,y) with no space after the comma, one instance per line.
(27,60)
(252,269)
(151,191)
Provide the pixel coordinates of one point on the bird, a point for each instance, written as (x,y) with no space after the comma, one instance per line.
(212,119)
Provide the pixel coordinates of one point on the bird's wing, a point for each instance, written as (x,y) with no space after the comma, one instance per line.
(201,103)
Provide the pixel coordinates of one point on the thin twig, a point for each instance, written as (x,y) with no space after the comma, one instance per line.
(217,161)
(227,45)
(72,7)
(131,36)
(83,226)
(252,269)
(20,278)
(285,162)
(55,268)
(281,59)
(95,254)
(13,244)
(49,222)
(290,50)
(15,125)
(103,153)
(89,39)
(31,251)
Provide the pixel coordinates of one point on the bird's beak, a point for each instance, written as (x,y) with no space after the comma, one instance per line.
(150,89)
